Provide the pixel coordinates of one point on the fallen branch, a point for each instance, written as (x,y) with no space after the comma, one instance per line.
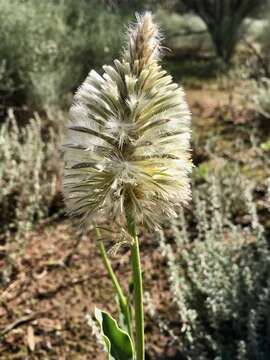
(23,320)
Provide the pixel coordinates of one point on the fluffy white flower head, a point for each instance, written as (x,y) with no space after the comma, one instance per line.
(128,143)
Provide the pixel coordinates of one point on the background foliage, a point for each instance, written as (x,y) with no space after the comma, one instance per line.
(48,47)
(220,277)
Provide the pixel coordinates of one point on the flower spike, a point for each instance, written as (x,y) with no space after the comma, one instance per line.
(128,143)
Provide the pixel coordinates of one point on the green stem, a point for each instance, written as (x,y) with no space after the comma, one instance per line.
(124,306)
(138,289)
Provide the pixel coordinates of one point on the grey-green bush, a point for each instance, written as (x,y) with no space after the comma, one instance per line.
(261,97)
(29,163)
(48,46)
(220,279)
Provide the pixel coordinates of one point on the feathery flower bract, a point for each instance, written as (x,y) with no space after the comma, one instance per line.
(127,147)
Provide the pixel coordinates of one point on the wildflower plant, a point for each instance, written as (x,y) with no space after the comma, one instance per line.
(127,159)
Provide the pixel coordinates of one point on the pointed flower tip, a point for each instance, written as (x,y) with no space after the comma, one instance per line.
(143,41)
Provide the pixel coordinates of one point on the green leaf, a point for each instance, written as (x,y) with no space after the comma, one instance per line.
(122,314)
(118,342)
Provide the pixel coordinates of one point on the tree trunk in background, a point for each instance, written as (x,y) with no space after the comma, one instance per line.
(224,19)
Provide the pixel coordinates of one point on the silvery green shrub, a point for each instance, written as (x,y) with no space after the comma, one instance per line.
(47,46)
(28,169)
(219,279)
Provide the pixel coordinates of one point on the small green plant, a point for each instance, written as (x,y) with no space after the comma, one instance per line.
(127,159)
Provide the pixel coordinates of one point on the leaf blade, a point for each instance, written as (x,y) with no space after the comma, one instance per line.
(118,342)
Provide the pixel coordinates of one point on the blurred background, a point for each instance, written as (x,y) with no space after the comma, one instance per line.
(207,274)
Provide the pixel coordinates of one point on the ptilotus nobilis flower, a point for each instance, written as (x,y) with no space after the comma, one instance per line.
(127,156)
(127,147)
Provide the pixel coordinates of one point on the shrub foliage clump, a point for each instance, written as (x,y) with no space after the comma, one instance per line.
(220,283)
(28,169)
(47,46)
